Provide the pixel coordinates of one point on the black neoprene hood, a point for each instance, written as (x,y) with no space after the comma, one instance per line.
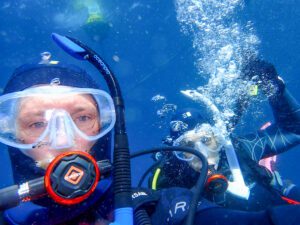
(36,74)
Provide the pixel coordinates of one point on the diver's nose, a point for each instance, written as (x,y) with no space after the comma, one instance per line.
(61,132)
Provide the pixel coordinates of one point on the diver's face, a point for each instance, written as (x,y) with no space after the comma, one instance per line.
(208,139)
(205,141)
(205,137)
(32,121)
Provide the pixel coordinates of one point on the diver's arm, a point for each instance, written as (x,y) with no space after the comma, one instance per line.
(286,111)
(285,108)
(271,141)
(285,132)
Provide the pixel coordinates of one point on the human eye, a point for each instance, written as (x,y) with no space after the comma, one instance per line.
(36,128)
(82,117)
(38,125)
(206,140)
(84,120)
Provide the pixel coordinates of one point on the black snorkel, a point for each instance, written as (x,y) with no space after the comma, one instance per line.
(121,156)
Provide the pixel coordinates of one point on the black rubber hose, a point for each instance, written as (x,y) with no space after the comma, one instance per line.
(121,160)
(141,217)
(9,197)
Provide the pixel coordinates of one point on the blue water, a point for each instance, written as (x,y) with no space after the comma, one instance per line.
(149,54)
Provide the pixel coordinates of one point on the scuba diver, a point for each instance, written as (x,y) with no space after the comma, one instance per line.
(263,187)
(54,118)
(48,110)
(96,27)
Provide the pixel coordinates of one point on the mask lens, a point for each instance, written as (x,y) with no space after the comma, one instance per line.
(184,156)
(199,139)
(25,117)
(206,140)
(182,141)
(35,127)
(87,120)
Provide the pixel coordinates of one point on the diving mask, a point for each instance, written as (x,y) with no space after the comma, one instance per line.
(203,138)
(54,115)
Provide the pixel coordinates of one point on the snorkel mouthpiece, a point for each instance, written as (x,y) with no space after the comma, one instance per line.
(69,46)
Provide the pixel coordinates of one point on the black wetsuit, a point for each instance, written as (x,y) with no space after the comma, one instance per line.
(275,139)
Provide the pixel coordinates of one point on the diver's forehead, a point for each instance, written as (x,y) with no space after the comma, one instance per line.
(38,105)
(56,99)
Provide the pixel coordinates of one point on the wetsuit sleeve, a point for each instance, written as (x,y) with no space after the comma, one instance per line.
(280,136)
(285,131)
(286,111)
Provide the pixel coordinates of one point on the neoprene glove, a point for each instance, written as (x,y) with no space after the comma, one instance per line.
(264,75)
